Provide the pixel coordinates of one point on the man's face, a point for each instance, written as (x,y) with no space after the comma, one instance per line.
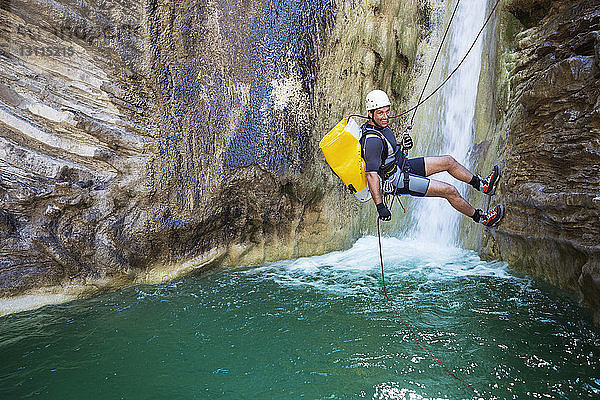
(381,116)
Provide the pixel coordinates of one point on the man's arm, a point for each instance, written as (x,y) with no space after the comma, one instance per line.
(374,187)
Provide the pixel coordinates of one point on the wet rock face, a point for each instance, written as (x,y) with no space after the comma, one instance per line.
(551,178)
(70,131)
(133,135)
(140,141)
(529,12)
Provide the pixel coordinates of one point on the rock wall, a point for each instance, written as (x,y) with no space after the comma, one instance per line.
(73,136)
(544,126)
(140,141)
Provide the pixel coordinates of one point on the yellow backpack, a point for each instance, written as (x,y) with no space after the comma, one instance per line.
(341,148)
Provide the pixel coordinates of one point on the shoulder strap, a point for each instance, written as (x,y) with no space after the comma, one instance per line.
(366,132)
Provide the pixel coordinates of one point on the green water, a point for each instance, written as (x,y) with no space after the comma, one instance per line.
(314,328)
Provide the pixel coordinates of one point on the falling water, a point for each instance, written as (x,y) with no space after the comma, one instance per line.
(448,120)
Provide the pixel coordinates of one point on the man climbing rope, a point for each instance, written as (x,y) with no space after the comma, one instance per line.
(384,159)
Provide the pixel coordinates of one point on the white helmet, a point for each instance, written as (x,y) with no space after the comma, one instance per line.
(376,99)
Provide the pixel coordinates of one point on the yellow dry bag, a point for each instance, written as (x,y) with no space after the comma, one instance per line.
(341,148)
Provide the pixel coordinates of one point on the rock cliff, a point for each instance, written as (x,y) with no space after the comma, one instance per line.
(545,127)
(143,140)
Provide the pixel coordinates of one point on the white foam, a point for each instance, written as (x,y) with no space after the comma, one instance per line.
(357,270)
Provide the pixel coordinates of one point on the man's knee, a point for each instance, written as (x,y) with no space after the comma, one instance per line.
(442,189)
(449,160)
(450,191)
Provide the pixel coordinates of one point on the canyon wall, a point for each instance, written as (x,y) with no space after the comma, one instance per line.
(140,141)
(540,119)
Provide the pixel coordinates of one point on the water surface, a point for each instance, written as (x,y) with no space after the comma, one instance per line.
(315,328)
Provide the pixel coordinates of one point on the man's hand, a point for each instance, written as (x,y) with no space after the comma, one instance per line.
(384,212)
(407,142)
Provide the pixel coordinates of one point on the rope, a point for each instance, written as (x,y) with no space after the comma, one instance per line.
(419,102)
(434,61)
(414,108)
(409,127)
(491,13)
(408,327)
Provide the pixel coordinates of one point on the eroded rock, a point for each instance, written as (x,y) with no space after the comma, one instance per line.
(143,141)
(551,177)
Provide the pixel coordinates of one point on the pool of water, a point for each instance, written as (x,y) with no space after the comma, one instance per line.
(315,328)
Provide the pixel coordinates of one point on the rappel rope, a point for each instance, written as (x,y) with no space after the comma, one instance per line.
(489,17)
(410,125)
(414,108)
(412,119)
(402,171)
(419,102)
(433,65)
(408,327)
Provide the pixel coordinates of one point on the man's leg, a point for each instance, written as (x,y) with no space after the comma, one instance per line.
(448,163)
(449,192)
(442,189)
(419,186)
(437,164)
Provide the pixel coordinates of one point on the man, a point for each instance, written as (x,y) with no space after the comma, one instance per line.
(384,159)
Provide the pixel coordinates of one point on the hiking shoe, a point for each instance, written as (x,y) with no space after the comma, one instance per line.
(488,185)
(494,217)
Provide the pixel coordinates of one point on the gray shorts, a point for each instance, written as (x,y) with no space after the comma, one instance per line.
(417,184)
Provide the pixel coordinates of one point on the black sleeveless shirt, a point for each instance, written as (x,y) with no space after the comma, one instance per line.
(373,147)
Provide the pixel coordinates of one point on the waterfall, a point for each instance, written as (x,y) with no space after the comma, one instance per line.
(446,121)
